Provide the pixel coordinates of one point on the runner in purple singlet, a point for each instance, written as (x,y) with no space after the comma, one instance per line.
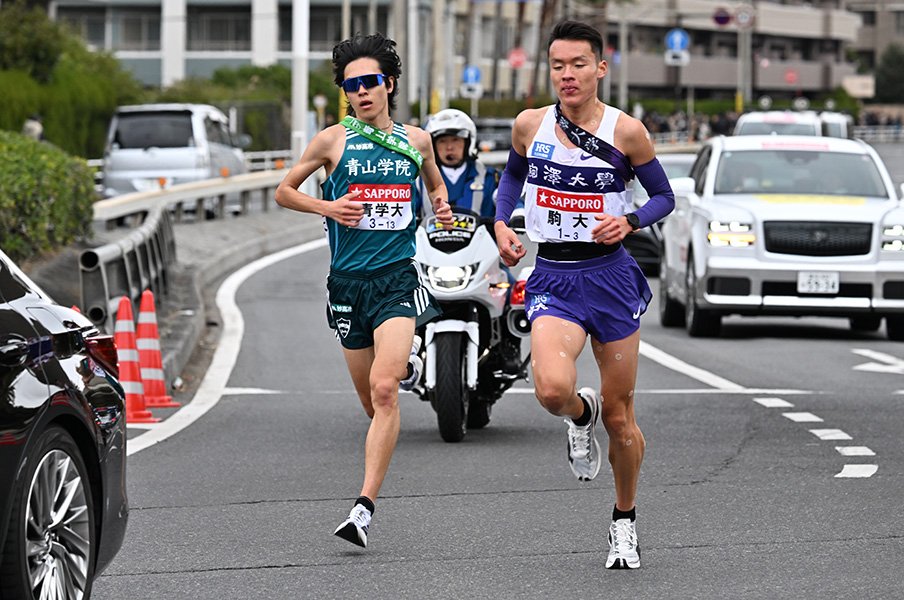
(576,184)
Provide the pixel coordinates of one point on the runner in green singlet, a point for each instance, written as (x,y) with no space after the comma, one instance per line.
(375,296)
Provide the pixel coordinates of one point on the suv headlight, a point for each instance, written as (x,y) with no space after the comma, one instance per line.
(730,233)
(893,238)
(450,278)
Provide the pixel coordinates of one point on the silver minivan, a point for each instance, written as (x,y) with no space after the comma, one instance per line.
(154,146)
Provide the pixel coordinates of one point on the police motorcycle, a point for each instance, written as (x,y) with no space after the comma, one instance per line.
(472,352)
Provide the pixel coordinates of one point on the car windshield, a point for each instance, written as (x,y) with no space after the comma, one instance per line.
(798,172)
(161,129)
(765,128)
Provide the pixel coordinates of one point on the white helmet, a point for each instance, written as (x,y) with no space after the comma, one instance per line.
(452,121)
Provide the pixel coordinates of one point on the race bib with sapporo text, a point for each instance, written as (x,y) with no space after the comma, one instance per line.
(387,206)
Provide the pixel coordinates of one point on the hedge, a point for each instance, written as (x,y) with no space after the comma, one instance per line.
(46,197)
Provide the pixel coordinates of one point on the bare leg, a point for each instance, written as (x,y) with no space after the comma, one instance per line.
(618,372)
(555,346)
(392,345)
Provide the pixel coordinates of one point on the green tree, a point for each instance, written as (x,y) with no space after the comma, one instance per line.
(890,75)
(29,41)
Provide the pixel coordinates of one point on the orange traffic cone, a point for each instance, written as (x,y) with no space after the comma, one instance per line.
(129,369)
(148,340)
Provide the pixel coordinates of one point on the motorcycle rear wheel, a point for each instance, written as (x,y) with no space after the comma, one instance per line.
(451,393)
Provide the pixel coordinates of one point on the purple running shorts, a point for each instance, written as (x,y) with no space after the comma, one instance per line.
(605,295)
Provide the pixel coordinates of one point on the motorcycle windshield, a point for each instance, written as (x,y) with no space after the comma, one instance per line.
(454,237)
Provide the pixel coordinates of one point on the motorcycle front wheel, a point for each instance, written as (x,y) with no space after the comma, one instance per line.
(451,393)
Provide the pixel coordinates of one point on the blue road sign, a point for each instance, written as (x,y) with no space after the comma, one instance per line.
(471,75)
(677,39)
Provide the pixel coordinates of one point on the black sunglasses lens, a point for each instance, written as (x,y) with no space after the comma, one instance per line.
(353,83)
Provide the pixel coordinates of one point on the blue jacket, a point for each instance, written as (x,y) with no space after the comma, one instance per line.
(470,191)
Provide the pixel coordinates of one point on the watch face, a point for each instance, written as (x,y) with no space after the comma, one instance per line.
(633,221)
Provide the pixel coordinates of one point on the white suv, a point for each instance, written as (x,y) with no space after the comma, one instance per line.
(784,225)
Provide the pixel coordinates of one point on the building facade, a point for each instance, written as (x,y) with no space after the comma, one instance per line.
(776,48)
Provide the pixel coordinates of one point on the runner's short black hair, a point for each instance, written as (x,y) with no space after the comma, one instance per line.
(575,30)
(374,46)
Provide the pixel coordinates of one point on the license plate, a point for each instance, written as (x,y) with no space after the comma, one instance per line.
(817,282)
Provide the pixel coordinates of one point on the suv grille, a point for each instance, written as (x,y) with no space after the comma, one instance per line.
(818,238)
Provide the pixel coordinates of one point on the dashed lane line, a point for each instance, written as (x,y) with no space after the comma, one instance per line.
(848,471)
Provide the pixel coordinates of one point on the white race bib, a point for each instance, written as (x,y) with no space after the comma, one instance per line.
(567,216)
(387,206)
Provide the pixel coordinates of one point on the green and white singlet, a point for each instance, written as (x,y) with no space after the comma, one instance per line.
(386,179)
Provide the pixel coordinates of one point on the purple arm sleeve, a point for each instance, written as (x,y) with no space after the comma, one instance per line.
(662,201)
(509,191)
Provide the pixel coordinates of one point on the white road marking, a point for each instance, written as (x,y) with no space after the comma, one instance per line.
(773,402)
(240,391)
(678,365)
(142,425)
(854,451)
(830,434)
(802,417)
(214,383)
(886,362)
(858,471)
(691,391)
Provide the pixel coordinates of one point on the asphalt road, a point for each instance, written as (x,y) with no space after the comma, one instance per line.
(739,498)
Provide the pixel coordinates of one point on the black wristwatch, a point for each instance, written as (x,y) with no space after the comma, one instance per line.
(633,221)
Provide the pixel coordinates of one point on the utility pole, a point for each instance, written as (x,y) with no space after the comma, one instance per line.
(623,48)
(301,14)
(497,48)
(519,43)
(400,27)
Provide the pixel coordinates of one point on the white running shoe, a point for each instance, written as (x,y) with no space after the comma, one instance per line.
(417,366)
(354,528)
(583,449)
(624,551)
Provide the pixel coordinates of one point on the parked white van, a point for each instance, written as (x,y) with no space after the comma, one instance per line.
(153,146)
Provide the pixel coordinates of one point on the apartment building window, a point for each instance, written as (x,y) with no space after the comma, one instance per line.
(219,29)
(868,17)
(88,23)
(325,28)
(138,30)
(490,32)
(899,22)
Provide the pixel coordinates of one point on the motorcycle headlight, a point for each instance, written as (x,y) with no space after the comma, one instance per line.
(450,278)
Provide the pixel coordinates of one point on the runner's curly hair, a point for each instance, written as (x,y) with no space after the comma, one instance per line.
(374,46)
(575,30)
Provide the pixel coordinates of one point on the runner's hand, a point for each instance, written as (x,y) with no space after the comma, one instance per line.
(346,210)
(442,210)
(610,230)
(511,250)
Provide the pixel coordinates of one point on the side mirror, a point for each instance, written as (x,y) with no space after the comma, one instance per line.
(682,186)
(243,141)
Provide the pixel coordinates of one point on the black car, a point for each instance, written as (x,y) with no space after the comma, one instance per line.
(63,505)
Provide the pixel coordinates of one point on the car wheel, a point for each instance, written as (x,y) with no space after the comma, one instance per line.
(50,543)
(699,322)
(671,313)
(895,326)
(866,322)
